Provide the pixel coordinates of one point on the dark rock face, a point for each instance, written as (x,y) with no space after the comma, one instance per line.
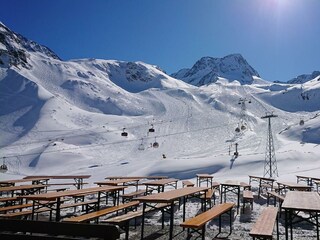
(207,70)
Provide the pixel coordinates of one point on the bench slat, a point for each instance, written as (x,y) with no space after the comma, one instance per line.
(131,215)
(265,223)
(247,195)
(97,214)
(201,219)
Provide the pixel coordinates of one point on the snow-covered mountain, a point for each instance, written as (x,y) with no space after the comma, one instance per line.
(59,117)
(305,77)
(208,70)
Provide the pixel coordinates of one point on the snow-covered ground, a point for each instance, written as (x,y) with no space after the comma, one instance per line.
(66,117)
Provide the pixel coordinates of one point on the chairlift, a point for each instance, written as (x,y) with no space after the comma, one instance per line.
(301,122)
(151,129)
(3,167)
(243,127)
(249,101)
(124,133)
(237,129)
(155,144)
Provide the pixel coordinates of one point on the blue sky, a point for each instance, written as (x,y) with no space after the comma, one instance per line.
(279,38)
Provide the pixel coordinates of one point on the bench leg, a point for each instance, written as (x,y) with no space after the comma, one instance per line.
(127,230)
(230,213)
(171,219)
(142,223)
(203,232)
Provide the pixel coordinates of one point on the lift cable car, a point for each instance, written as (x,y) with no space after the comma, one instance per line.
(155,144)
(301,122)
(151,129)
(3,167)
(124,133)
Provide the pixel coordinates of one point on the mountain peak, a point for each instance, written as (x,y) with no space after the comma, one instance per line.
(15,49)
(305,77)
(208,70)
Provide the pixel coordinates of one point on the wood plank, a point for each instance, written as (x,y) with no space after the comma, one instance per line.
(265,223)
(96,214)
(247,195)
(201,219)
(169,196)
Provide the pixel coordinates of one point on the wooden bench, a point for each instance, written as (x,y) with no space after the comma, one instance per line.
(277,198)
(9,200)
(247,198)
(12,229)
(96,214)
(15,207)
(57,189)
(207,197)
(245,186)
(124,219)
(65,184)
(131,195)
(25,213)
(186,183)
(263,227)
(198,222)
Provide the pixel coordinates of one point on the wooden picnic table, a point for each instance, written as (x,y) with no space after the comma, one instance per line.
(232,186)
(292,186)
(309,180)
(136,177)
(263,182)
(23,189)
(77,178)
(297,201)
(123,182)
(169,197)
(159,185)
(35,180)
(204,177)
(56,197)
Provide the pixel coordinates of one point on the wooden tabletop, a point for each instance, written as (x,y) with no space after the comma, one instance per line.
(69,193)
(262,178)
(302,201)
(21,187)
(161,182)
(308,177)
(204,175)
(60,176)
(136,177)
(293,185)
(231,183)
(12,181)
(118,181)
(169,196)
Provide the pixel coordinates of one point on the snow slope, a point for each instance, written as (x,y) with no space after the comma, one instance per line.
(63,117)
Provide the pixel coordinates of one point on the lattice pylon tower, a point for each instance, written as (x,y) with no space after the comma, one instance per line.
(270,164)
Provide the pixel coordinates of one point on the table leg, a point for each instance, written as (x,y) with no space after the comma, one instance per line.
(317,222)
(99,198)
(221,193)
(286,223)
(290,219)
(58,210)
(171,220)
(259,191)
(33,207)
(238,200)
(184,209)
(142,220)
